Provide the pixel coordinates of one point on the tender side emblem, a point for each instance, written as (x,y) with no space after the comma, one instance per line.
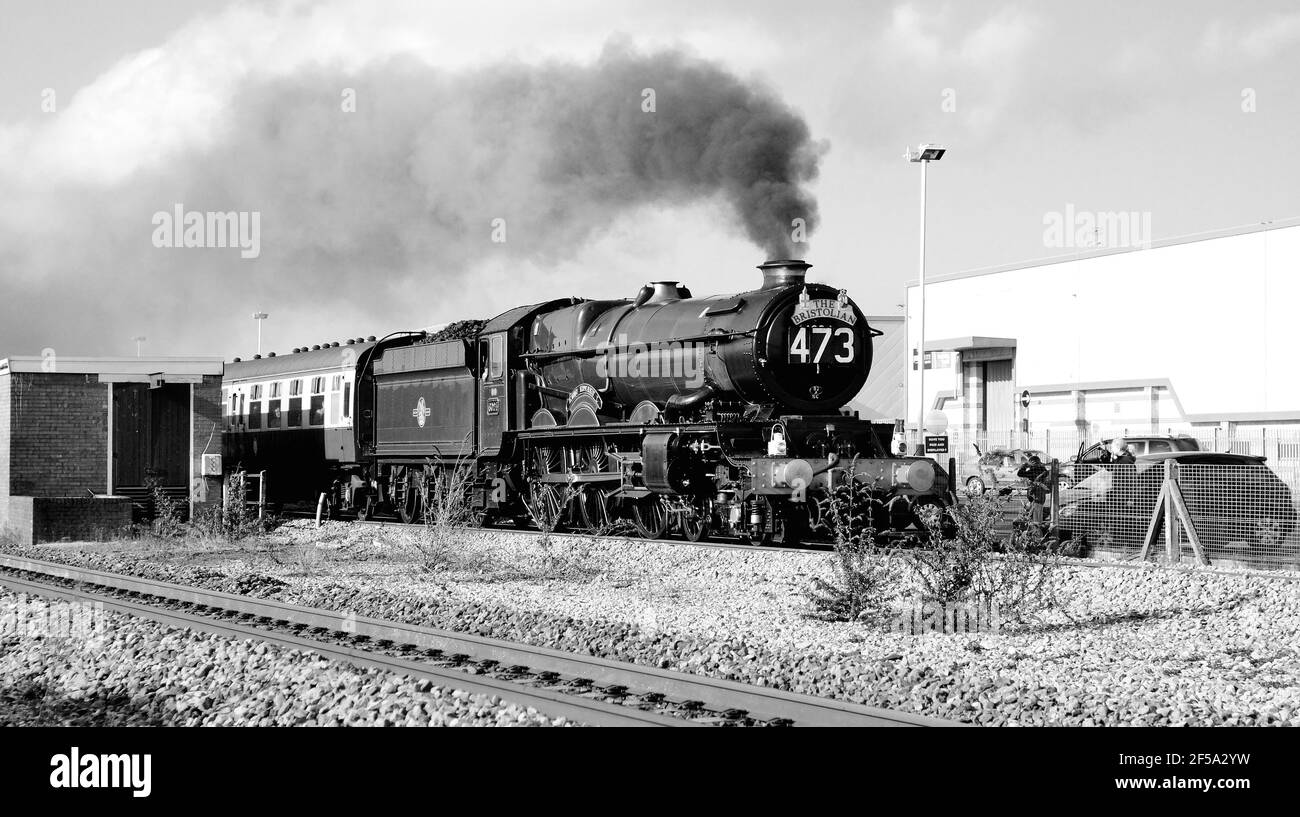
(420,412)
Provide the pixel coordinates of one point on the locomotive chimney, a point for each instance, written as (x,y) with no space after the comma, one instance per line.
(777,274)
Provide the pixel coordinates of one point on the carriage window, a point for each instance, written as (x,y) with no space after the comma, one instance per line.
(241,410)
(336,383)
(317,385)
(295,412)
(334,400)
(295,388)
(255,414)
(273,414)
(347,401)
(496,357)
(257,392)
(317,417)
(275,390)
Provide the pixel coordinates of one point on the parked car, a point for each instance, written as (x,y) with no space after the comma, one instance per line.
(996,470)
(1140,444)
(1241,510)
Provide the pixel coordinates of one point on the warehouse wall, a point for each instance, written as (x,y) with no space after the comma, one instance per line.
(883,397)
(1213,317)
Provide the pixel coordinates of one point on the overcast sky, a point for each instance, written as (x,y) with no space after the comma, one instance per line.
(111,112)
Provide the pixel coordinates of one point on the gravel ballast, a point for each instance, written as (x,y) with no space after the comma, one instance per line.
(128,671)
(1141,647)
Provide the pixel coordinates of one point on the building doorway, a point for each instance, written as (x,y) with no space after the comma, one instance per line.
(151,435)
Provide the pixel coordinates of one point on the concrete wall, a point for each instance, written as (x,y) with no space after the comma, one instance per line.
(52,519)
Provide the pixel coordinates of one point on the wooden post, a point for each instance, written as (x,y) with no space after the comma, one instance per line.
(1173,550)
(1180,504)
(1153,527)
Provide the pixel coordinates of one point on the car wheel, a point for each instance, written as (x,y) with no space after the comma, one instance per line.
(975,486)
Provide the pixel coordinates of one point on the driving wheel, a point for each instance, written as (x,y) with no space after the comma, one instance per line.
(650,517)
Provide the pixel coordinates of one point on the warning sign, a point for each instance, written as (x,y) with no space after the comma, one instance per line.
(936,445)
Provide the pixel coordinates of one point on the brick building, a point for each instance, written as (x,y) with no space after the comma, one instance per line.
(80,437)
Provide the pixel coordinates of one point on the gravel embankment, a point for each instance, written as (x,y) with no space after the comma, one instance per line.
(1128,647)
(128,671)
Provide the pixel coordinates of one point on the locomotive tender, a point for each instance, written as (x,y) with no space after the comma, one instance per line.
(671,413)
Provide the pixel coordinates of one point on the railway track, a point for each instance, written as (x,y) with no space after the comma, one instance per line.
(578,687)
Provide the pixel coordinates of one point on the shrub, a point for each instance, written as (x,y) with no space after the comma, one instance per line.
(168,520)
(955,569)
(847,512)
(861,588)
(445,500)
(1015,574)
(864,577)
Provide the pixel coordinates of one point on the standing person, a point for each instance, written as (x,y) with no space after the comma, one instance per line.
(1036,474)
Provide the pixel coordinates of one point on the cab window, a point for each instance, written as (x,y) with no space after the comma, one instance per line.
(496,357)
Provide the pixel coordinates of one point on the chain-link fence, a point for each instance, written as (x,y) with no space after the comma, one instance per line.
(1173,509)
(1280,449)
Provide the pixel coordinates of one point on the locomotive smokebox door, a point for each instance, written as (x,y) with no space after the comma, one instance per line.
(494,402)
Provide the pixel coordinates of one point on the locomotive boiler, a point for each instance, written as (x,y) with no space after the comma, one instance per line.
(664,412)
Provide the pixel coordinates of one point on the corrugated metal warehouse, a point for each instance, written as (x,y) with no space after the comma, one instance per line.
(1193,335)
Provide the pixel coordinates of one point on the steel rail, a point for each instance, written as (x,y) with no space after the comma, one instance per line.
(557,705)
(758,702)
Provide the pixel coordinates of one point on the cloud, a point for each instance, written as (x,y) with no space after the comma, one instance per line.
(375,209)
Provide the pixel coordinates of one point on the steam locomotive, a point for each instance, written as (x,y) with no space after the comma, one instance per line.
(666,413)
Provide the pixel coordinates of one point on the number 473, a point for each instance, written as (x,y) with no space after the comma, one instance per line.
(821,338)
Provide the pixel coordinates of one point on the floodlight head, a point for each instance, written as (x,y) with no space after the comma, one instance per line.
(926,153)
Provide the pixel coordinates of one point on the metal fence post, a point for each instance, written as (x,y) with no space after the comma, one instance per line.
(1054,517)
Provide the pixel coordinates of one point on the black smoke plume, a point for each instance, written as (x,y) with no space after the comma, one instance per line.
(396,200)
